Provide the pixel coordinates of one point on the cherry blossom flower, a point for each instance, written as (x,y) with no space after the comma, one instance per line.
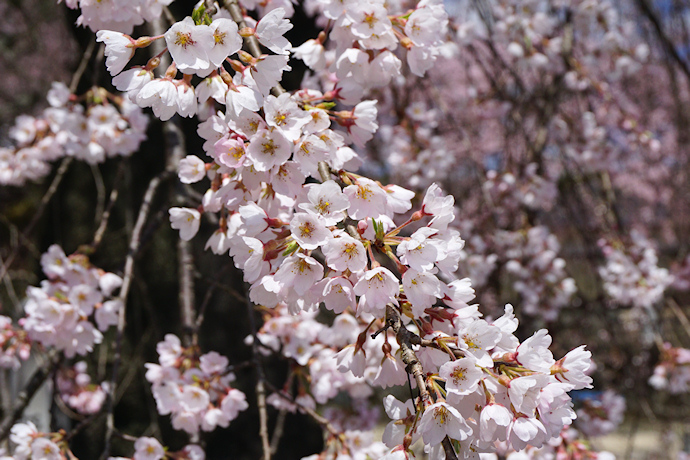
(462,376)
(148,449)
(270,30)
(345,253)
(189,45)
(300,272)
(119,49)
(338,294)
(268,148)
(161,95)
(309,230)
(185,220)
(226,41)
(283,113)
(365,125)
(376,288)
(191,169)
(326,200)
(367,199)
(440,420)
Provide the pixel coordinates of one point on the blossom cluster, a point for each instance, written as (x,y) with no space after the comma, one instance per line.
(106,126)
(569,445)
(121,15)
(300,245)
(195,390)
(364,30)
(29,443)
(496,389)
(146,448)
(365,34)
(77,391)
(486,399)
(62,311)
(601,415)
(306,232)
(672,373)
(14,344)
(540,276)
(632,276)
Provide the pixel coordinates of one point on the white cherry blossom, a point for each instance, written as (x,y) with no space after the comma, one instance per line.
(309,231)
(119,49)
(189,45)
(326,200)
(191,169)
(226,41)
(345,253)
(440,420)
(268,148)
(300,272)
(376,288)
(270,30)
(462,376)
(186,220)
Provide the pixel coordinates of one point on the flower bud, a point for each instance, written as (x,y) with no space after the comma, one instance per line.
(247,32)
(171,72)
(143,42)
(153,63)
(386,348)
(245,57)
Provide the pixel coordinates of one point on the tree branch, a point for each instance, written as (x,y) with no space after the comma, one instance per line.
(24,398)
(321,420)
(665,41)
(251,42)
(62,170)
(124,291)
(406,339)
(260,384)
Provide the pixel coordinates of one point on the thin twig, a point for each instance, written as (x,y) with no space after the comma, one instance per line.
(85,423)
(100,192)
(124,291)
(665,41)
(278,430)
(634,426)
(680,315)
(9,287)
(260,384)
(76,78)
(62,170)
(23,399)
(320,419)
(114,193)
(175,151)
(185,270)
(207,298)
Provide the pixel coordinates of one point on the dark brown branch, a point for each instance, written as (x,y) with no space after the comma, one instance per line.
(665,41)
(406,339)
